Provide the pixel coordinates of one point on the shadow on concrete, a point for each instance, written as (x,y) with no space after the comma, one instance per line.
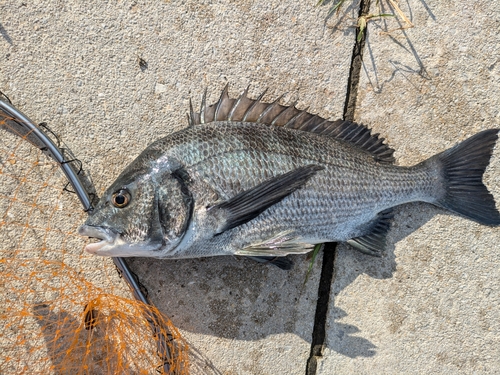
(344,338)
(348,344)
(200,364)
(61,334)
(429,11)
(230,297)
(5,35)
(382,26)
(238,299)
(336,20)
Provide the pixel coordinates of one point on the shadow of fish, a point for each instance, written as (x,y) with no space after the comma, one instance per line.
(265,180)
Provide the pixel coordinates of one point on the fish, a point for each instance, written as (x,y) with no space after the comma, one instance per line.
(266,180)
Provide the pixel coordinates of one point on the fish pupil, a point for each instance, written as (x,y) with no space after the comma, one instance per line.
(120,199)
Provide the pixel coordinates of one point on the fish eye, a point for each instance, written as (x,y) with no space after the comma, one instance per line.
(121,198)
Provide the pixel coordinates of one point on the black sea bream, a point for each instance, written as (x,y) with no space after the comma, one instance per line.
(265,180)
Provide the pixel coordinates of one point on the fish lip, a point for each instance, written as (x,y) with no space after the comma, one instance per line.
(106,235)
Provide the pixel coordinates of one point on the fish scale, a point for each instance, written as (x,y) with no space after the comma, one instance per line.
(260,179)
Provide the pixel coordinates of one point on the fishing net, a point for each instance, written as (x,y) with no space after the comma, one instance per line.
(63,311)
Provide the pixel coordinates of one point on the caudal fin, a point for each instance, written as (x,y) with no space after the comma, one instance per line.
(463,169)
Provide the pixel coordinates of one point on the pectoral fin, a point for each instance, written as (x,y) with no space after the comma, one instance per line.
(250,203)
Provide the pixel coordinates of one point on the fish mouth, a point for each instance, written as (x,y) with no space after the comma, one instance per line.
(106,236)
(111,243)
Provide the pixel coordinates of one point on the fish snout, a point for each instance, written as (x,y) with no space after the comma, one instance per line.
(105,235)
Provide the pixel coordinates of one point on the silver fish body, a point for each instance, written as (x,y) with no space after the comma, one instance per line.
(239,187)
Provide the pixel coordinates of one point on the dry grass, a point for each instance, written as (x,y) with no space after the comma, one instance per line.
(361,23)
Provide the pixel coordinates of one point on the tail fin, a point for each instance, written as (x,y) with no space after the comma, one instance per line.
(463,168)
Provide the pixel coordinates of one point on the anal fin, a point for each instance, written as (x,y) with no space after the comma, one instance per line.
(374,242)
(281,262)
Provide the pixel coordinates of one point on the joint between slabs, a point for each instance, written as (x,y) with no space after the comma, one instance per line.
(319,330)
(356,63)
(329,252)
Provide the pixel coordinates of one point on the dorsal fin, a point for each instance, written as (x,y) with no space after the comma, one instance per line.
(254,110)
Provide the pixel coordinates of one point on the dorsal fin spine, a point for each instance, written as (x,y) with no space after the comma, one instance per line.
(306,124)
(345,133)
(365,139)
(223,95)
(296,117)
(203,107)
(290,109)
(355,133)
(319,125)
(269,109)
(249,110)
(236,103)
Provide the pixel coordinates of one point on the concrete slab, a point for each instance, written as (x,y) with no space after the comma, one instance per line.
(431,304)
(240,316)
(111,78)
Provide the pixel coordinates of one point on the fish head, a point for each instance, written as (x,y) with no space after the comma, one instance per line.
(144,213)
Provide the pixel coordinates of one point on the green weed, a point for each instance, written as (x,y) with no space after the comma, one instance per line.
(315,252)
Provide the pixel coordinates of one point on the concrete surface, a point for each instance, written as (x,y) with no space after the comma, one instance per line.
(76,65)
(241,316)
(430,305)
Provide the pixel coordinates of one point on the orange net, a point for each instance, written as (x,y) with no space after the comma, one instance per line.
(63,311)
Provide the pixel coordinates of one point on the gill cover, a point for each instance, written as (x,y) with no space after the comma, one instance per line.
(174,203)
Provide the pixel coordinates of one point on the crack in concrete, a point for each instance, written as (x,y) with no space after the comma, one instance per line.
(356,63)
(325,285)
(330,250)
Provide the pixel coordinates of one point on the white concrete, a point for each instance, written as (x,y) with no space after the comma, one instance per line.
(431,305)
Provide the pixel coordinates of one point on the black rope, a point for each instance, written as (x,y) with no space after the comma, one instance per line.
(69,157)
(6,97)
